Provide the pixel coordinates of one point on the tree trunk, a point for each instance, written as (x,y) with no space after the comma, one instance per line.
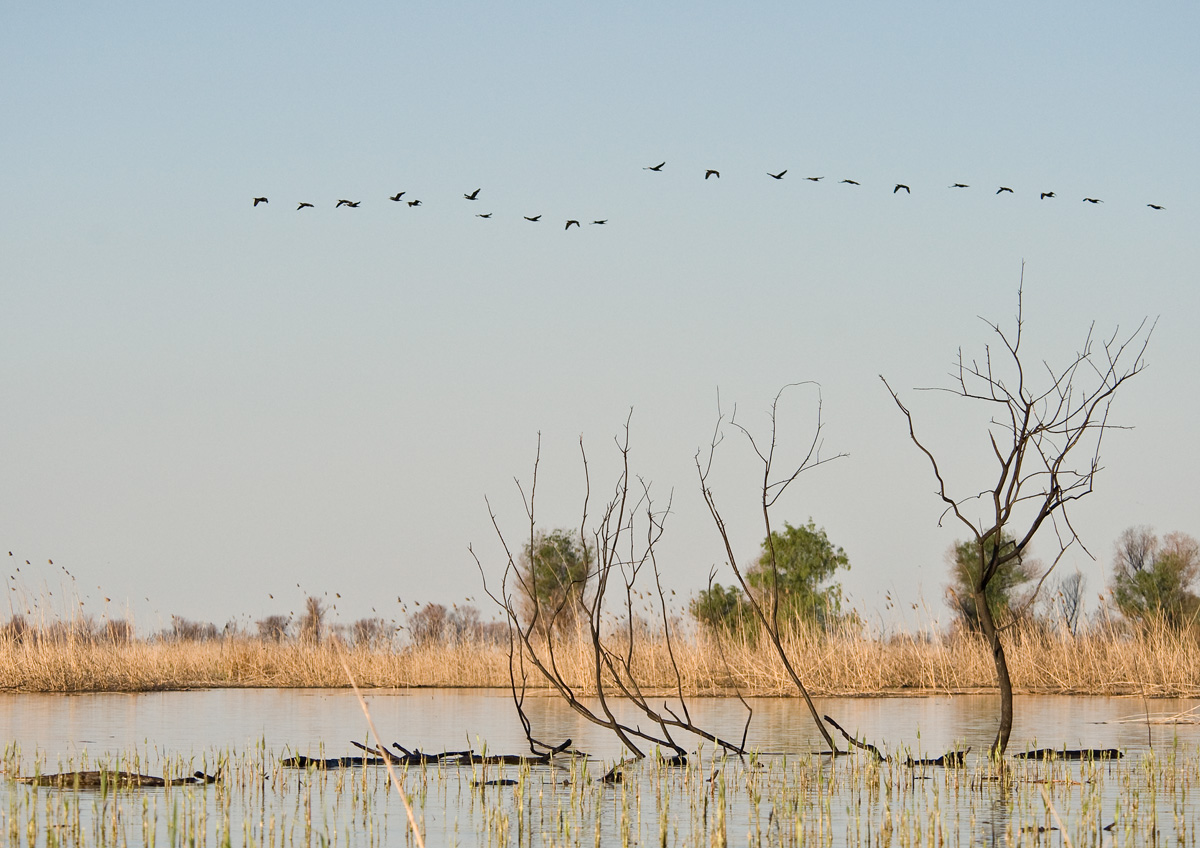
(988,626)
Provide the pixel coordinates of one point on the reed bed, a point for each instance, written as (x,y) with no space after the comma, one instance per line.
(795,800)
(1151,662)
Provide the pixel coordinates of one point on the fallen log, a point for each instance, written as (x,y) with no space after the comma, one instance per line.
(1070,754)
(415,757)
(112,779)
(950,759)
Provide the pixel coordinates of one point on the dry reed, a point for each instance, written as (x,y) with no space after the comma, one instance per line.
(1154,662)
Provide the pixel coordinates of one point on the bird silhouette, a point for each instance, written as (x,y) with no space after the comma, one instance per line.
(1004,188)
(259,200)
(711,173)
(604,221)
(778,176)
(901,186)
(1046,194)
(569,223)
(353,204)
(397,195)
(305,206)
(1155,206)
(534,218)
(1092,200)
(657,167)
(488,215)
(814,179)
(959,185)
(851,182)
(341,203)
(413,202)
(473,195)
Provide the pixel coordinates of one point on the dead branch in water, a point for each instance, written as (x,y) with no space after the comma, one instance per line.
(766,611)
(623,538)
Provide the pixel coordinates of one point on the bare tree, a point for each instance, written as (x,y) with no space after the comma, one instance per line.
(427,626)
(1045,436)
(186,630)
(273,628)
(312,623)
(623,542)
(765,606)
(370,633)
(1069,600)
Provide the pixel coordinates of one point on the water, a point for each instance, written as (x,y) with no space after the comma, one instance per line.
(787,796)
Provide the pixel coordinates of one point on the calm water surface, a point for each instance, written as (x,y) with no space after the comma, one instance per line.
(790,799)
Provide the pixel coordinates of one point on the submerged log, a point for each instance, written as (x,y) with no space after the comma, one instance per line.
(112,779)
(950,759)
(415,757)
(302,761)
(1070,754)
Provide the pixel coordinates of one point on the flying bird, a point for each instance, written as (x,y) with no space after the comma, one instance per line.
(259,200)
(569,223)
(959,185)
(1155,206)
(413,202)
(473,195)
(657,167)
(851,182)
(353,204)
(398,195)
(304,205)
(711,173)
(1004,188)
(1046,194)
(901,186)
(488,215)
(341,203)
(814,179)
(1092,200)
(605,221)
(534,218)
(778,176)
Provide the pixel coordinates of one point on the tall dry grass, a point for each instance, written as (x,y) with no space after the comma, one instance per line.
(1155,661)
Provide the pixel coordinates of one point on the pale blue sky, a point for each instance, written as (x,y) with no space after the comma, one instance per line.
(208,402)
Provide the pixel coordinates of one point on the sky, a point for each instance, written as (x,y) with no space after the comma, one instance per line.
(214,409)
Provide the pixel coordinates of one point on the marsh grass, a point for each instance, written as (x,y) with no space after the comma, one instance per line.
(1155,662)
(778,800)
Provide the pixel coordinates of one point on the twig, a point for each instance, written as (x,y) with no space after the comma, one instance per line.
(1061,827)
(387,759)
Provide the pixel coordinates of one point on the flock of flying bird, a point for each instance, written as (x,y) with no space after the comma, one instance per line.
(398,197)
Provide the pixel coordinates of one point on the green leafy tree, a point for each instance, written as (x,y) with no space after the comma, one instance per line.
(720,608)
(554,572)
(1152,579)
(1001,591)
(794,571)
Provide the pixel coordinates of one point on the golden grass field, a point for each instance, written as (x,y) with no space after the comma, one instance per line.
(1154,662)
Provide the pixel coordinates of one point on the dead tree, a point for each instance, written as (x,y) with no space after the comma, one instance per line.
(766,608)
(624,539)
(1045,434)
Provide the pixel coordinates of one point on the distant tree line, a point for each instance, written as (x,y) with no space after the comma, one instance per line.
(81,629)
(430,624)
